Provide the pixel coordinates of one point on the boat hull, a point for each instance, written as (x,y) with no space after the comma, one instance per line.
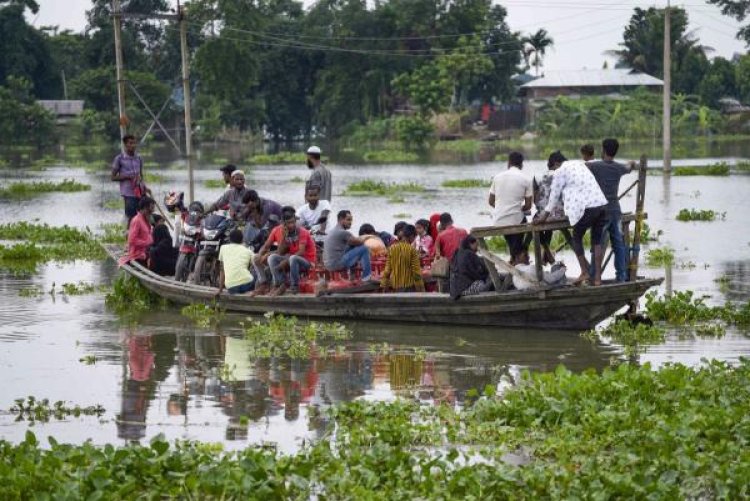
(567,308)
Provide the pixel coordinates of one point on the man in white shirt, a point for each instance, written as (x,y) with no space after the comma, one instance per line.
(510,196)
(585,205)
(314,214)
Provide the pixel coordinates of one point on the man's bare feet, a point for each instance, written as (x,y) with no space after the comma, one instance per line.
(582,279)
(278,291)
(261,290)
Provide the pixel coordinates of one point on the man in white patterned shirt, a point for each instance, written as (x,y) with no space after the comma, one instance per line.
(585,205)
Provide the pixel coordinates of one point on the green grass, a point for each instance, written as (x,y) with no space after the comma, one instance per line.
(717,169)
(23,189)
(700,215)
(381,188)
(390,156)
(284,157)
(466,183)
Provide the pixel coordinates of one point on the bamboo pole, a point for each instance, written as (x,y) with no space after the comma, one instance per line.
(122,119)
(667,93)
(639,203)
(186,98)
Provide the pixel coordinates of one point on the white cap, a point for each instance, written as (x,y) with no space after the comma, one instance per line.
(313,150)
(238,172)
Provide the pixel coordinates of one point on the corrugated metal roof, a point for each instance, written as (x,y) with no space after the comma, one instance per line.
(617,77)
(62,107)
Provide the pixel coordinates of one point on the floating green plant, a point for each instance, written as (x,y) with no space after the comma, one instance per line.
(700,215)
(390,156)
(202,314)
(32,409)
(284,157)
(647,235)
(113,203)
(381,188)
(214,183)
(88,359)
(402,215)
(662,256)
(23,189)
(34,291)
(297,179)
(281,335)
(684,308)
(717,169)
(465,183)
(129,296)
(112,233)
(634,337)
(79,289)
(154,178)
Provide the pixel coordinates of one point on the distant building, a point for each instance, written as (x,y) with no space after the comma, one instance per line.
(599,82)
(63,110)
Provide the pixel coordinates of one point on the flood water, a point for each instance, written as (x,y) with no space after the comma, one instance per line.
(164,375)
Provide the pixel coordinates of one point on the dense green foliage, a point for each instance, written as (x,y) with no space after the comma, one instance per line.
(630,432)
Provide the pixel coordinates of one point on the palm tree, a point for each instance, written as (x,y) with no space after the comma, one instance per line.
(536,44)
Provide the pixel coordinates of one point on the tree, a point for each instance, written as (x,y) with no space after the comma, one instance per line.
(535,48)
(738,9)
(742,77)
(22,120)
(719,81)
(643,48)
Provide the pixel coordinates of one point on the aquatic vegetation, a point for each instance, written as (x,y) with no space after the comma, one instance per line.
(370,187)
(34,291)
(22,189)
(496,244)
(32,253)
(284,335)
(700,215)
(628,432)
(682,308)
(202,314)
(114,203)
(743,166)
(402,215)
(723,282)
(88,359)
(297,179)
(214,183)
(466,183)
(154,178)
(129,296)
(647,236)
(113,233)
(634,337)
(282,157)
(78,289)
(32,409)
(661,256)
(41,233)
(717,169)
(390,156)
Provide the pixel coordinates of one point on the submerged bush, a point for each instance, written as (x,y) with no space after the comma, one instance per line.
(23,189)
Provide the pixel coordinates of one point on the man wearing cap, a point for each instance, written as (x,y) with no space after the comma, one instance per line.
(320,177)
(233,196)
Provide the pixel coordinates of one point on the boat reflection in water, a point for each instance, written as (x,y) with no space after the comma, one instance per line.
(210,378)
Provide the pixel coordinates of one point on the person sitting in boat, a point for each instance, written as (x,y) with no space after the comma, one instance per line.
(541,198)
(373,240)
(397,229)
(469,274)
(510,197)
(423,241)
(162,255)
(139,233)
(235,259)
(343,251)
(403,272)
(255,214)
(450,237)
(314,214)
(585,206)
(232,197)
(263,276)
(296,253)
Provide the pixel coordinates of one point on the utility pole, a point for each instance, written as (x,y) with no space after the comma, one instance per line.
(667,104)
(186,97)
(123,120)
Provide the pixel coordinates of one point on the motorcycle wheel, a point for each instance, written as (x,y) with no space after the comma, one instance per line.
(183,266)
(202,273)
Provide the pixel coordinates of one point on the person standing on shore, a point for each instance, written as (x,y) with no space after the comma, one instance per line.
(127,169)
(320,176)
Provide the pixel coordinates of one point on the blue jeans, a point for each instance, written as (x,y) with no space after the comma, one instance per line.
(131,207)
(241,289)
(613,228)
(296,265)
(359,254)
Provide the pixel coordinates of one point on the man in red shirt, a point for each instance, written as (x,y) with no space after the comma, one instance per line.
(450,237)
(296,253)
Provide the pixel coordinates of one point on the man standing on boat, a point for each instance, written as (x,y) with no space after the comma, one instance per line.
(584,204)
(608,173)
(320,176)
(127,169)
(510,197)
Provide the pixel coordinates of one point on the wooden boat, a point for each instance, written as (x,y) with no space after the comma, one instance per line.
(560,308)
(567,307)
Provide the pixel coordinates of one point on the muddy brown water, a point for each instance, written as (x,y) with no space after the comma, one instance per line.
(164,375)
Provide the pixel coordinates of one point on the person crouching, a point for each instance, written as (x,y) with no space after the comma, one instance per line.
(403,272)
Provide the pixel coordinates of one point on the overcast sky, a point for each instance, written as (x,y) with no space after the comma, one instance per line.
(582,29)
